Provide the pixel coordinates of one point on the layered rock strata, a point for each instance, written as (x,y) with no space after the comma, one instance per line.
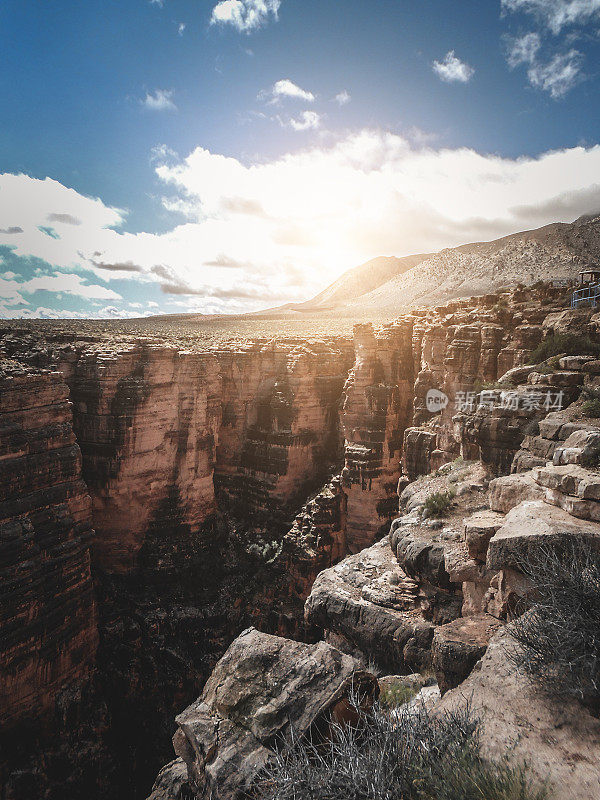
(48,625)
(377,408)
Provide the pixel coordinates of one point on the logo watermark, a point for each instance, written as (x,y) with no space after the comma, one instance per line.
(436,401)
(515,401)
(533,400)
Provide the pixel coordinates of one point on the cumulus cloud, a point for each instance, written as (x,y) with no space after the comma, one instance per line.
(556,14)
(245,15)
(159,100)
(342,98)
(62,283)
(266,231)
(308,120)
(285,88)
(452,70)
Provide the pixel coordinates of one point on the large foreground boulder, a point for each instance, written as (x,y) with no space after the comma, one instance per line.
(559,740)
(262,689)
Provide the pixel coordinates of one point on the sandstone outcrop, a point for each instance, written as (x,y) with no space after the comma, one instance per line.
(367,606)
(377,409)
(531,525)
(560,742)
(263,689)
(458,646)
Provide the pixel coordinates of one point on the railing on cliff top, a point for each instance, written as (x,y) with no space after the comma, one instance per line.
(589,294)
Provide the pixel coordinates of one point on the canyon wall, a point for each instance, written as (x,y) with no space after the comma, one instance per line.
(377,408)
(196,462)
(48,621)
(219,482)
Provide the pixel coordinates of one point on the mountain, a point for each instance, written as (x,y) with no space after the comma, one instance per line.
(358,281)
(387,284)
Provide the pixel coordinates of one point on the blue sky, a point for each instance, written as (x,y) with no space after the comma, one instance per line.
(195,155)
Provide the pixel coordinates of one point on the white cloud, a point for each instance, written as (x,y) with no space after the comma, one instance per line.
(159,100)
(285,88)
(524,50)
(245,15)
(159,3)
(61,282)
(181,26)
(161,153)
(264,232)
(342,98)
(452,69)
(556,14)
(308,120)
(559,75)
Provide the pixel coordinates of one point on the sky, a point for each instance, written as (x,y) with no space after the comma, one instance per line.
(170,156)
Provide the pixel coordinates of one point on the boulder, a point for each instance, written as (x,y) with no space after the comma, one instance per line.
(262,689)
(171,782)
(582,509)
(569,479)
(510,490)
(457,647)
(370,603)
(460,566)
(421,554)
(559,740)
(517,375)
(479,529)
(574,362)
(531,525)
(581,447)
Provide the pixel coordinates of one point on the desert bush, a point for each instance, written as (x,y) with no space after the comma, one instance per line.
(558,637)
(569,344)
(591,408)
(591,405)
(438,504)
(396,756)
(396,694)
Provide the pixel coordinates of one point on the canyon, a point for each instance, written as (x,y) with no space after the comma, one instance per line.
(160,496)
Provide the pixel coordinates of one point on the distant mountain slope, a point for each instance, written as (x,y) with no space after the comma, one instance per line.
(558,250)
(358,281)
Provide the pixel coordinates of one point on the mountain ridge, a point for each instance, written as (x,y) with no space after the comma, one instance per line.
(557,251)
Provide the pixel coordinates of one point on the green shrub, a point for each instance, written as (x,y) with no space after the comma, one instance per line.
(438,504)
(396,694)
(558,638)
(570,344)
(591,408)
(399,756)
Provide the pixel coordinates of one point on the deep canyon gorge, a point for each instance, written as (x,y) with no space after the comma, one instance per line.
(160,496)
